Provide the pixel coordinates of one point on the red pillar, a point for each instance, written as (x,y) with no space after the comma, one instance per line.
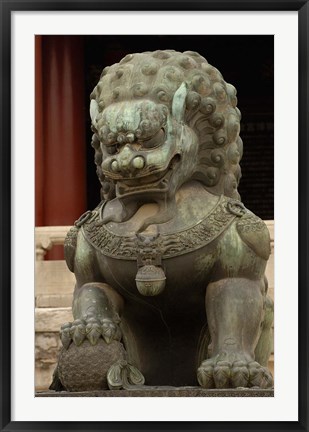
(60,130)
(39,158)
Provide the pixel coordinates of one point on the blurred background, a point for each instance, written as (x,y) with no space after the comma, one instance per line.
(68,68)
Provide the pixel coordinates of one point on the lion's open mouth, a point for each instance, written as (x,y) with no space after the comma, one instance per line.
(147,180)
(157,181)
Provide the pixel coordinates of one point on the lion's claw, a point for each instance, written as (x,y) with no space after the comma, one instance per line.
(222,374)
(93,331)
(205,376)
(65,335)
(238,373)
(89,328)
(77,332)
(110,331)
(259,376)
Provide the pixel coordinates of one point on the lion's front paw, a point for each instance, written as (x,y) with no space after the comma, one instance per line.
(90,328)
(222,374)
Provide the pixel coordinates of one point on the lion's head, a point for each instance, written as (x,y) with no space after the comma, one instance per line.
(162,118)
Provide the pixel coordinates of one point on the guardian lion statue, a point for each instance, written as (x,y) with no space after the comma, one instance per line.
(170,285)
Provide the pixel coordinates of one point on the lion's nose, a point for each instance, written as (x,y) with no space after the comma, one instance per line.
(127,161)
(124,159)
(125,156)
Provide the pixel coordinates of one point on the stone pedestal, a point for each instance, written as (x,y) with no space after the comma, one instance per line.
(149,391)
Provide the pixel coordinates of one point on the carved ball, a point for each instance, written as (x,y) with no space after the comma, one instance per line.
(85,367)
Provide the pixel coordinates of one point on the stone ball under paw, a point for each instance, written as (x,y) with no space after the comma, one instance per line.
(85,367)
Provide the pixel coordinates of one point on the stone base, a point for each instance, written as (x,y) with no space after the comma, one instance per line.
(149,391)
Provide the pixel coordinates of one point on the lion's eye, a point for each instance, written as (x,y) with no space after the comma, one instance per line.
(154,141)
(112,149)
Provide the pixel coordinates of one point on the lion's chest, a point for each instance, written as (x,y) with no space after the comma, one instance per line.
(184,274)
(185,253)
(186,258)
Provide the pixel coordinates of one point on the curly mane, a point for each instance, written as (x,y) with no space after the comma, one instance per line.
(210,110)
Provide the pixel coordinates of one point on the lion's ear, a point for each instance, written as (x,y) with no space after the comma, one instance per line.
(179,102)
(94,110)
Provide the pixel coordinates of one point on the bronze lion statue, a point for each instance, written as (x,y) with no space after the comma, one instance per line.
(170,285)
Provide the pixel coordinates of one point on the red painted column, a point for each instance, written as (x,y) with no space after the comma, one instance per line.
(64,130)
(60,131)
(39,146)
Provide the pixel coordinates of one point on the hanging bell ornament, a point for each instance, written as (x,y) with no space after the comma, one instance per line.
(150,280)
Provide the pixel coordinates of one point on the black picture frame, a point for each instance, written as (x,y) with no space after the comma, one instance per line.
(6,8)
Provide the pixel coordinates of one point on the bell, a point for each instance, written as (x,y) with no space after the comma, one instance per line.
(150,280)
